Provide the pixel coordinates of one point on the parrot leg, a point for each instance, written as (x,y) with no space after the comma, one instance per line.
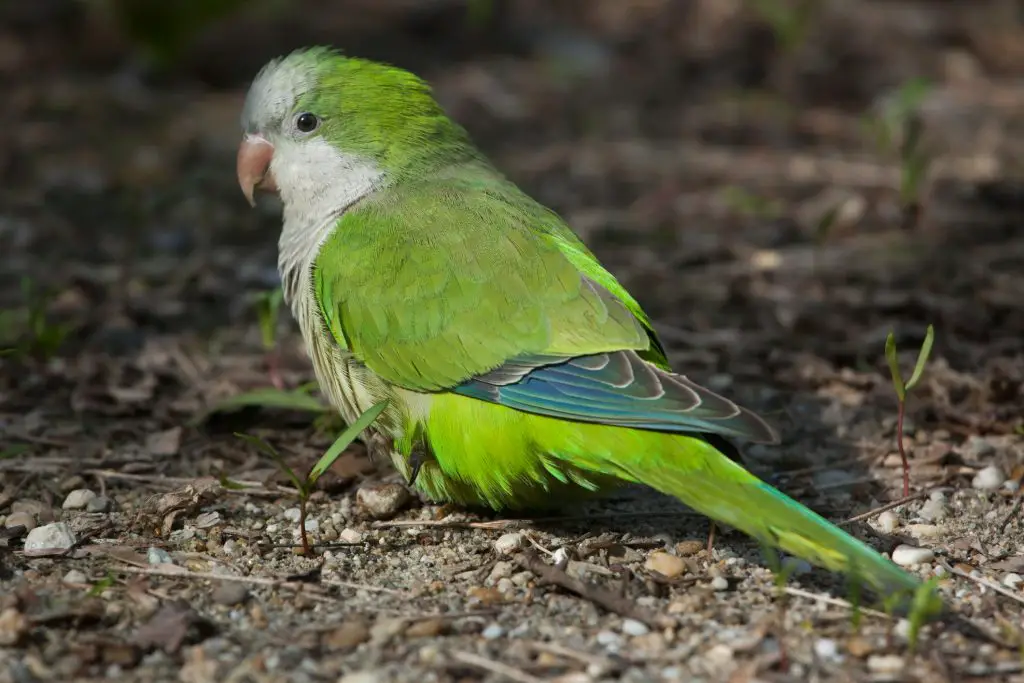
(711,538)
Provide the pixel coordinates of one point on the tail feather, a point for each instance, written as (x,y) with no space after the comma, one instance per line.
(719,488)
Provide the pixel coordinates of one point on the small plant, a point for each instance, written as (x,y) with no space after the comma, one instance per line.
(790,20)
(925,605)
(898,131)
(268,304)
(903,389)
(299,399)
(304,487)
(26,331)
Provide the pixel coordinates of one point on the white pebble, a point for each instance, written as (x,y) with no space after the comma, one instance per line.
(1012,580)
(78,499)
(75,577)
(902,629)
(312,525)
(492,632)
(827,650)
(906,555)
(561,557)
(632,627)
(988,479)
(934,510)
(292,514)
(885,663)
(608,639)
(49,537)
(348,535)
(158,556)
(508,543)
(720,583)
(888,521)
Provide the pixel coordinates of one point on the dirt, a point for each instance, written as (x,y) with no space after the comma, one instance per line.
(733,185)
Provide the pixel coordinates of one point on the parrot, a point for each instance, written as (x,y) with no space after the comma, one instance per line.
(518,373)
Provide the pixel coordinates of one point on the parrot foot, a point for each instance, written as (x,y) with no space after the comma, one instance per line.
(418,458)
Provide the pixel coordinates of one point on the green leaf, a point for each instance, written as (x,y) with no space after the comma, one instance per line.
(894,367)
(228,484)
(13,451)
(268,398)
(342,442)
(272,452)
(922,357)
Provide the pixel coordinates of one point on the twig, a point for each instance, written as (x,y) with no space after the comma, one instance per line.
(825,599)
(982,582)
(1013,513)
(890,506)
(596,661)
(610,601)
(251,580)
(491,666)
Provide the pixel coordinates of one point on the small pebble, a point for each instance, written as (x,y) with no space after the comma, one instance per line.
(100,504)
(608,639)
(381,502)
(508,543)
(827,650)
(364,677)
(1012,580)
(560,557)
(500,570)
(230,594)
(156,555)
(51,536)
(292,515)
(719,583)
(667,565)
(906,555)
(348,535)
(75,577)
(312,525)
(78,499)
(632,627)
(427,628)
(934,510)
(988,479)
(25,519)
(492,632)
(888,521)
(347,636)
(885,663)
(977,447)
(207,520)
(902,629)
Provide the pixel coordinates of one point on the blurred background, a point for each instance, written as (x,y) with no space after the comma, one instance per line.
(779,182)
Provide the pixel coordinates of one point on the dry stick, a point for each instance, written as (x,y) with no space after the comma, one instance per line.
(1013,513)
(828,600)
(599,596)
(983,582)
(252,580)
(890,506)
(489,665)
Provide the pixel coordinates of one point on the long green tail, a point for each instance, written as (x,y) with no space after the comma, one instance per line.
(719,488)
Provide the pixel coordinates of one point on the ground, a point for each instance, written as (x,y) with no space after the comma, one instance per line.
(727,169)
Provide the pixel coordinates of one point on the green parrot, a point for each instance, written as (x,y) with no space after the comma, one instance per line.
(518,372)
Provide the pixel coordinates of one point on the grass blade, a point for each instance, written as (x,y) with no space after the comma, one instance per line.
(342,442)
(894,367)
(297,399)
(922,357)
(272,452)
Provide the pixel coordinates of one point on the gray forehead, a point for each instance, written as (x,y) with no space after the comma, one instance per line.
(274,91)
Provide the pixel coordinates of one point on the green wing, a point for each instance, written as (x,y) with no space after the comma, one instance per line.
(463,283)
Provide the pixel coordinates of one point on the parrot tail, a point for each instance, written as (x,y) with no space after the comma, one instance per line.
(715,486)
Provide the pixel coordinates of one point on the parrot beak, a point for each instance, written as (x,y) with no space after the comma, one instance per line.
(254,156)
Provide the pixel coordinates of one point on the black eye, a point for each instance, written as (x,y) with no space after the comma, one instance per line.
(306,122)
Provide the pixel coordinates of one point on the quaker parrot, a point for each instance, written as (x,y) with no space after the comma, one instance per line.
(518,371)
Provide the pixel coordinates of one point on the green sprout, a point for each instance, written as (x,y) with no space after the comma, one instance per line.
(267,306)
(925,605)
(305,486)
(790,20)
(903,389)
(898,131)
(26,332)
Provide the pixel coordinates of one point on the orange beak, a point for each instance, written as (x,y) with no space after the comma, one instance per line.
(254,156)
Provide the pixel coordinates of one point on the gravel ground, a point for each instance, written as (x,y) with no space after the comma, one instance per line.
(728,177)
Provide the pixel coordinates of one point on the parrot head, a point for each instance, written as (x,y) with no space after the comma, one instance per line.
(315,123)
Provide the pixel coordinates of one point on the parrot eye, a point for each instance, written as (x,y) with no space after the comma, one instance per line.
(306,122)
